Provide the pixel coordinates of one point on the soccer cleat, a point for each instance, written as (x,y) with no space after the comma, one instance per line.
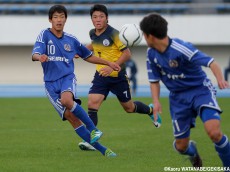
(159,121)
(110,153)
(86,146)
(95,135)
(195,160)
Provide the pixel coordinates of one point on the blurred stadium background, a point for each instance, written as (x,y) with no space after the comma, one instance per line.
(204,23)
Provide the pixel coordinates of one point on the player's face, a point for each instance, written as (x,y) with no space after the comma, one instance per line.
(149,40)
(58,21)
(99,20)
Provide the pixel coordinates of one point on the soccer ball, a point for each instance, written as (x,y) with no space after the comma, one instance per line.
(130,35)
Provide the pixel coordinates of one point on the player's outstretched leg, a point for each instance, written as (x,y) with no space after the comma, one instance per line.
(84,145)
(85,135)
(192,152)
(80,113)
(159,120)
(145,109)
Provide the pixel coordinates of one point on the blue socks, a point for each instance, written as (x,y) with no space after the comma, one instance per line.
(223,149)
(191,150)
(85,135)
(80,113)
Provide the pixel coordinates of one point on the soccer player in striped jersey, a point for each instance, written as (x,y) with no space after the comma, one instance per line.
(105,44)
(56,49)
(178,65)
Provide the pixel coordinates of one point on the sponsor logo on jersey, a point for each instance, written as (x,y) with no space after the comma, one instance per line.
(50,42)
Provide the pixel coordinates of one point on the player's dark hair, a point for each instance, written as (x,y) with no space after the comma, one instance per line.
(99,7)
(57,8)
(154,24)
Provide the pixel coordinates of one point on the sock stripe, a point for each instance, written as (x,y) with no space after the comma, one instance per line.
(74,106)
(223,144)
(92,110)
(78,127)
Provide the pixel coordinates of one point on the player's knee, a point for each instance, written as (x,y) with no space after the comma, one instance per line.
(180,146)
(129,107)
(68,103)
(215,135)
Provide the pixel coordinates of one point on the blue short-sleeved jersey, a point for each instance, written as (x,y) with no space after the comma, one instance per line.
(179,67)
(60,52)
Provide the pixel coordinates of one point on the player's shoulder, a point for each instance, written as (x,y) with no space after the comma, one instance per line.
(179,43)
(183,47)
(70,36)
(91,32)
(112,31)
(151,51)
(43,31)
(42,35)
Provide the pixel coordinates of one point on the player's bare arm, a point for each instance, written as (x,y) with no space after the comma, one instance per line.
(90,47)
(125,56)
(216,70)
(97,60)
(42,58)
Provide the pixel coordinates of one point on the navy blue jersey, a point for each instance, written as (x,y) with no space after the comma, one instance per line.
(60,52)
(179,67)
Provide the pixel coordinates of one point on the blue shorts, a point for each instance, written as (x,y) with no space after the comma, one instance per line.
(185,106)
(117,85)
(55,88)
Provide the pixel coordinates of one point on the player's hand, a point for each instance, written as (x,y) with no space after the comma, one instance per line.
(114,66)
(105,71)
(223,84)
(43,58)
(76,56)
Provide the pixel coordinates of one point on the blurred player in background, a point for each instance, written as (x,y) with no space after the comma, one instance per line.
(178,65)
(56,49)
(106,45)
(227,71)
(131,69)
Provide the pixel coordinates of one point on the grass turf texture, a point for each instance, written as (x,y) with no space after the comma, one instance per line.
(34,139)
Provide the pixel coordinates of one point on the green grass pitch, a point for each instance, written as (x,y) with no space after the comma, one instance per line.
(34,139)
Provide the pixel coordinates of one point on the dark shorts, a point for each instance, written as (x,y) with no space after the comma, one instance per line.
(117,85)
(186,106)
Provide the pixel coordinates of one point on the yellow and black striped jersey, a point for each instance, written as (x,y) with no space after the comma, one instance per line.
(107,46)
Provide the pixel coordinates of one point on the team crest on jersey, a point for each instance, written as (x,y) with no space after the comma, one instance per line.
(106,42)
(173,63)
(67,47)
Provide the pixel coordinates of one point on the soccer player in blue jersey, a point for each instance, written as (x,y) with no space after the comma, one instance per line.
(107,45)
(131,67)
(56,49)
(178,65)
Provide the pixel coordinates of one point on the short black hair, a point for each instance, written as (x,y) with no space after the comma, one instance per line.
(99,7)
(57,8)
(154,24)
